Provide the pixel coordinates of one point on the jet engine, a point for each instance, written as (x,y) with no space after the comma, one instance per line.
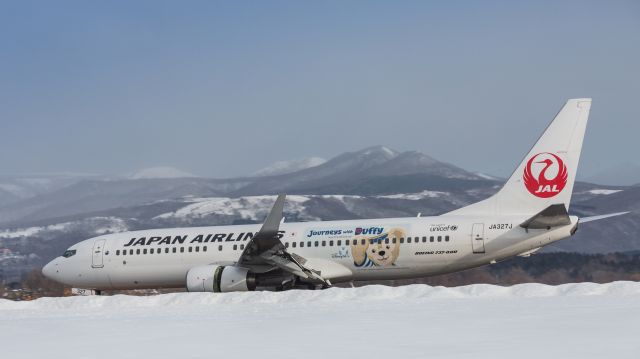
(218,279)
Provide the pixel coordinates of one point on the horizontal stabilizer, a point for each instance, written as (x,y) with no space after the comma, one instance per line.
(552,216)
(595,218)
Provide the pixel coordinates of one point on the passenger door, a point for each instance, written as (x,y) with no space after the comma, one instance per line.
(98,252)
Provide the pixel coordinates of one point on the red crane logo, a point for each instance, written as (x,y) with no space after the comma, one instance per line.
(540,185)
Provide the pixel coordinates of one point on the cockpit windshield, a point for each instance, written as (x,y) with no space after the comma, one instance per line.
(68,253)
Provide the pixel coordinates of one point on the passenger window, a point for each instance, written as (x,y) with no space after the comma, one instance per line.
(363,242)
(241,246)
(324,243)
(286,245)
(235,247)
(416,239)
(431,239)
(144,251)
(301,244)
(174,249)
(166,250)
(197,248)
(339,242)
(137,251)
(124,252)
(151,250)
(408,239)
(394,240)
(386,240)
(118,252)
(181,249)
(330,243)
(439,238)
(316,243)
(401,239)
(446,238)
(204,249)
(190,249)
(130,252)
(346,242)
(293,244)
(424,239)
(220,248)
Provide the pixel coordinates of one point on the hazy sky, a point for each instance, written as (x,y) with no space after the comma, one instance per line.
(224,88)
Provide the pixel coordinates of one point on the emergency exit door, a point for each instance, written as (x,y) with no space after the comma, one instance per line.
(477,238)
(98,252)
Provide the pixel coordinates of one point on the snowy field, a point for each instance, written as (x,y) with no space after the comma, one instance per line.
(479,321)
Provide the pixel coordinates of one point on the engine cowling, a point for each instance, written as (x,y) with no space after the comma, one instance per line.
(219,279)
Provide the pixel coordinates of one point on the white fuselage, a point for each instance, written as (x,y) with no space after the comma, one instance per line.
(161,258)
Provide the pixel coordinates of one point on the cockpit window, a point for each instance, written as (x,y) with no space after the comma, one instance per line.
(68,253)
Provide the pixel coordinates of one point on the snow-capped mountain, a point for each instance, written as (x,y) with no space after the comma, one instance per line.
(373,170)
(160,172)
(371,183)
(16,187)
(284,167)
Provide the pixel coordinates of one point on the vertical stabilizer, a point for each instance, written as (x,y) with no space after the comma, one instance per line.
(547,173)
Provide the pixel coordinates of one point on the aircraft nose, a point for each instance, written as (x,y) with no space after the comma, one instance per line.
(50,270)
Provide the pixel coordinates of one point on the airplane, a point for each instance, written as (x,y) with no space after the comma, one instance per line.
(529,212)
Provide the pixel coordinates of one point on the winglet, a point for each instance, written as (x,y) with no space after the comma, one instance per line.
(272,223)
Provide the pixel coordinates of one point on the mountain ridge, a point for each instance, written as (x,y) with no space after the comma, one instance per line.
(375,182)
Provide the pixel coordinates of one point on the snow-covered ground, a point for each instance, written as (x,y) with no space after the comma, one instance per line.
(478,321)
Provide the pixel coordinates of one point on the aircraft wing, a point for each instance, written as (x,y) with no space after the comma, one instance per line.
(265,250)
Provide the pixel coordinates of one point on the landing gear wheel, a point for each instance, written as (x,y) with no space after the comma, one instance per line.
(286,285)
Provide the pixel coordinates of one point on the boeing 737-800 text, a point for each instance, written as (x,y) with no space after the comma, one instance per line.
(529,212)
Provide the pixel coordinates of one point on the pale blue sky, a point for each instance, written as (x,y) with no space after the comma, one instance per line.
(224,88)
